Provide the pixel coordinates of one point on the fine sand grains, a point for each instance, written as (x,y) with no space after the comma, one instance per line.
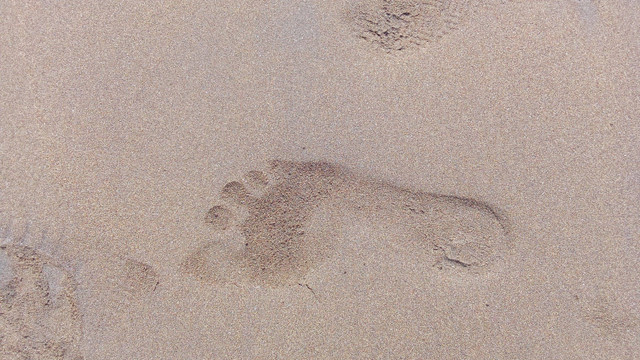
(275,237)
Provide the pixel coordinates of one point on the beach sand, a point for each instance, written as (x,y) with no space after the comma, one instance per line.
(366,179)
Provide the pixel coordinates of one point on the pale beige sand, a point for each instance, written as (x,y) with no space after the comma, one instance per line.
(121,123)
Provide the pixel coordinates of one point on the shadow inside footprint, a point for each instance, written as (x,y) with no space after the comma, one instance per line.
(295,224)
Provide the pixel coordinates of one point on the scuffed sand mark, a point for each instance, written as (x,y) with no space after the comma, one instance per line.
(39,315)
(399,25)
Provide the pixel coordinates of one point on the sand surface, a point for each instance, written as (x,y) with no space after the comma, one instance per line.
(363,179)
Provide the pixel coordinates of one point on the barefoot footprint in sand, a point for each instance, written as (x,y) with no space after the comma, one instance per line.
(284,222)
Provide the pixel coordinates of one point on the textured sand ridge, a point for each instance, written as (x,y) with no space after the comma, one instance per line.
(278,241)
(396,25)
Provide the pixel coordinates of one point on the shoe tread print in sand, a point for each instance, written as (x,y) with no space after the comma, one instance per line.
(398,25)
(39,316)
(294,223)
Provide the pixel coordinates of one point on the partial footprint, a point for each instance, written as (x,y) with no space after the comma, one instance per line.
(117,279)
(397,25)
(139,278)
(276,238)
(610,316)
(39,316)
(39,298)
